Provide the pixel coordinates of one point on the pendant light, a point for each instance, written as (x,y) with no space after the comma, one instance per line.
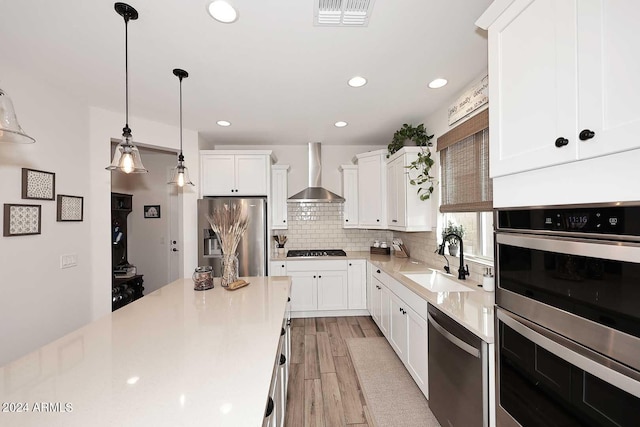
(10,130)
(180,175)
(127,157)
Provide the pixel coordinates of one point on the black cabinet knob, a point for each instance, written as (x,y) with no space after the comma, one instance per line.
(283,359)
(314,277)
(284,220)
(282,265)
(377,220)
(319,277)
(174,250)
(377,271)
(289,299)
(394,220)
(586,134)
(561,142)
(270,406)
(350,264)
(346,220)
(281,331)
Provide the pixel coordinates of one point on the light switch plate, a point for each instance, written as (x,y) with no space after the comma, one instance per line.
(68,260)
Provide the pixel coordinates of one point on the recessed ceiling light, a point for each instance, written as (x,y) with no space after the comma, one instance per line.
(223,123)
(222,11)
(437,83)
(357,81)
(340,124)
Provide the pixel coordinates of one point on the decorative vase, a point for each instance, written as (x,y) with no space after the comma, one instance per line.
(280,250)
(229,269)
(453,250)
(203,278)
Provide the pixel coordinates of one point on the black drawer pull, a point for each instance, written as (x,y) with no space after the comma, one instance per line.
(377,271)
(561,142)
(283,359)
(269,408)
(586,134)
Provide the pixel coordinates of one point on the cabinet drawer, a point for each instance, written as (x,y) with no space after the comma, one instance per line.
(309,265)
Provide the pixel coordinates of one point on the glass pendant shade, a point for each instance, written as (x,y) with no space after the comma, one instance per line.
(10,130)
(127,158)
(180,175)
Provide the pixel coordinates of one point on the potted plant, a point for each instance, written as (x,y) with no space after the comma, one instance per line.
(423,163)
(458,230)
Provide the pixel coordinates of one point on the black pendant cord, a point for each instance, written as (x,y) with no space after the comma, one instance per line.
(126,74)
(180,77)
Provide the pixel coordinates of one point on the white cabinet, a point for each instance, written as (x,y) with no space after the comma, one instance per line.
(395,310)
(350,194)
(231,173)
(372,190)
(318,285)
(357,285)
(405,210)
(279,195)
(277,268)
(558,68)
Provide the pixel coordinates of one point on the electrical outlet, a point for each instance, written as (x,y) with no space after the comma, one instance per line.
(68,260)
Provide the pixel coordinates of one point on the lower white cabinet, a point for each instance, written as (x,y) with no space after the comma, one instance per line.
(276,406)
(318,285)
(357,284)
(278,268)
(401,324)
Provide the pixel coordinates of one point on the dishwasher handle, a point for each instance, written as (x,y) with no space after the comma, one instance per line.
(453,339)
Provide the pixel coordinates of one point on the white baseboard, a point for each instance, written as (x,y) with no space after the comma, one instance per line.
(328,313)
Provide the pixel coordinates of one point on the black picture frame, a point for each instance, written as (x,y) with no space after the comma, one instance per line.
(38,185)
(69,208)
(25,223)
(152,211)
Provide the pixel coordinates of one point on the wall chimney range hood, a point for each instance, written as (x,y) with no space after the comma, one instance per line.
(315,193)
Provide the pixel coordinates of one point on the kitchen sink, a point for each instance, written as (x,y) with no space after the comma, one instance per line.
(437,282)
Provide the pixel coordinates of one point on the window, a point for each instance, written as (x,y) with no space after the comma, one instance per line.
(466,189)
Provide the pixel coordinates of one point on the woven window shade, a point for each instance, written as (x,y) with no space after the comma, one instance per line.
(466,186)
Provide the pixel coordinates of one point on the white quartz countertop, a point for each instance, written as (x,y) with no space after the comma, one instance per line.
(474,310)
(176,357)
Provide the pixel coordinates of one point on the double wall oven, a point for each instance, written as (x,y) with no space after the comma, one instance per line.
(568,316)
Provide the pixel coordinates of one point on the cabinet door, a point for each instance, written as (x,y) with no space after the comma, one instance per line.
(277,268)
(350,194)
(371,192)
(332,290)
(398,326)
(417,353)
(532,85)
(218,174)
(279,195)
(376,292)
(608,83)
(356,279)
(385,307)
(393,193)
(251,174)
(303,291)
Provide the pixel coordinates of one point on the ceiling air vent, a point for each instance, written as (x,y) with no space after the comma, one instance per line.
(342,13)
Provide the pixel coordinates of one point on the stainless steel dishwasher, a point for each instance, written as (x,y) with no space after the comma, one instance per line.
(458,373)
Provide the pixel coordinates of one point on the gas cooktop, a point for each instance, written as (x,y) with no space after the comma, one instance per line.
(315,252)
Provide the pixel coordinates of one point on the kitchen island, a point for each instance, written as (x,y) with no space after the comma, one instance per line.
(176,357)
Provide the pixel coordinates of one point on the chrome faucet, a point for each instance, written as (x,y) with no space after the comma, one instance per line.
(463,271)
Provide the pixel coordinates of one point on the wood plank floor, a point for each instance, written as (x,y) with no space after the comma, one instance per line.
(323,387)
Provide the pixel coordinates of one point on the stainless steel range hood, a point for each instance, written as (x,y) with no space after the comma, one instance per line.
(315,193)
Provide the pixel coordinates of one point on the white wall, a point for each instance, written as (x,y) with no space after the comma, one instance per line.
(148,238)
(297,156)
(40,302)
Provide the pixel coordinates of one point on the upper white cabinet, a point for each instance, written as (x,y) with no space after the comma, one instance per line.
(405,210)
(279,194)
(350,194)
(235,173)
(372,194)
(563,85)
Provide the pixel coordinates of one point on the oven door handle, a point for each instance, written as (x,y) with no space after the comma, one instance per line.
(589,361)
(603,249)
(454,339)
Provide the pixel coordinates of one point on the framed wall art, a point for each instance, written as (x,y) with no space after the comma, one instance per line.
(21,220)
(70,208)
(152,211)
(38,185)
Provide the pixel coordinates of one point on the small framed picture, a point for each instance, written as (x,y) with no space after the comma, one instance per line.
(38,185)
(152,211)
(21,220)
(70,208)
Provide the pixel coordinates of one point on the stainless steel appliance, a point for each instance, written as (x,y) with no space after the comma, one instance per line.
(568,317)
(458,373)
(315,252)
(252,249)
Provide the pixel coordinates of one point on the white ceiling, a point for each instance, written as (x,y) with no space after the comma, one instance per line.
(278,78)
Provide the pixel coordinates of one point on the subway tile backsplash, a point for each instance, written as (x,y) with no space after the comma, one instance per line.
(319,226)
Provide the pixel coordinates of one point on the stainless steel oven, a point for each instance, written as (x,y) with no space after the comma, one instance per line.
(568,317)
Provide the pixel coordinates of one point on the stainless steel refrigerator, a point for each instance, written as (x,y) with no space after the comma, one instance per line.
(252,249)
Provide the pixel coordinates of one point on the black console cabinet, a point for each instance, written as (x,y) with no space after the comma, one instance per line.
(126,290)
